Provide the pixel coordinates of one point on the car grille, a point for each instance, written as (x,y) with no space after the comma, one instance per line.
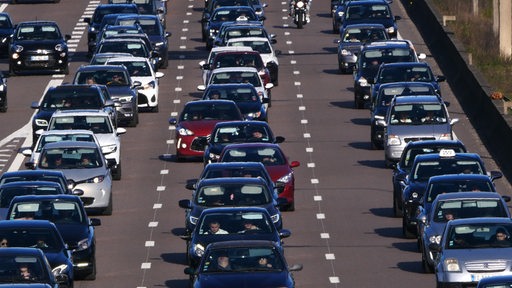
(486,266)
(87,200)
(407,140)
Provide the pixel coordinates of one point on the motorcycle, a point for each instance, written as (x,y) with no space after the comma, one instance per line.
(300,13)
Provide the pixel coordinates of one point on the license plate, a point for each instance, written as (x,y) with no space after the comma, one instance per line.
(478,277)
(39,58)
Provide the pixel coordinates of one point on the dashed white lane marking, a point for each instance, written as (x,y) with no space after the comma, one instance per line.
(314,181)
(330,256)
(296,72)
(157,206)
(302,108)
(169,142)
(293,62)
(184,30)
(174,113)
(286,33)
(183,47)
(300,96)
(153,224)
(176,101)
(289,42)
(320,216)
(164,172)
(178,89)
(291,52)
(179,77)
(325,235)
(145,265)
(306,135)
(311,165)
(304,121)
(297,83)
(183,38)
(309,149)
(334,280)
(160,188)
(149,244)
(181,67)
(317,198)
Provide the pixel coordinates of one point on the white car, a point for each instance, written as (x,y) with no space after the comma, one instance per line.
(98,122)
(268,54)
(140,69)
(205,64)
(230,75)
(51,136)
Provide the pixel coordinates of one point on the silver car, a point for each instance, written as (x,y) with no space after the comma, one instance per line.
(450,206)
(83,163)
(413,118)
(472,249)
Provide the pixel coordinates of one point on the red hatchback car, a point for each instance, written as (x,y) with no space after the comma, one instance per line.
(197,120)
(275,161)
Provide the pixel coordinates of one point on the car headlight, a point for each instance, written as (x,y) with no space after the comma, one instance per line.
(109,148)
(96,179)
(393,140)
(345,52)
(214,157)
(446,136)
(41,122)
(150,85)
(300,4)
(451,265)
(158,44)
(4,40)
(378,117)
(199,250)
(185,132)
(341,13)
(213,32)
(286,178)
(193,220)
(125,99)
(414,195)
(82,245)
(60,47)
(390,30)
(435,239)
(61,269)
(254,114)
(363,82)
(18,48)
(275,218)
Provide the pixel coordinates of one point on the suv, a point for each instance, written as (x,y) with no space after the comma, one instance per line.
(120,86)
(100,124)
(67,97)
(413,118)
(369,60)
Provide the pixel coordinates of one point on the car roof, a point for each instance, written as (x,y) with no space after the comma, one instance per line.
(465,221)
(31,172)
(417,99)
(234,69)
(70,144)
(127,59)
(434,143)
(209,102)
(231,180)
(458,177)
(37,22)
(388,44)
(138,16)
(228,86)
(406,84)
(69,86)
(436,156)
(251,145)
(22,251)
(364,25)
(101,68)
(406,64)
(241,39)
(67,132)
(468,195)
(31,184)
(27,224)
(231,48)
(227,165)
(79,112)
(241,243)
(38,198)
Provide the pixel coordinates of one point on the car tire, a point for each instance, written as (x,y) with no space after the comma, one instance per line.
(291,207)
(155,109)
(424,264)
(117,172)
(397,212)
(3,109)
(110,207)
(358,104)
(405,230)
(135,120)
(92,276)
(65,71)
(12,71)
(165,63)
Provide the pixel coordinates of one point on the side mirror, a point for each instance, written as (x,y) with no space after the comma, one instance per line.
(94,221)
(173,121)
(87,20)
(434,247)
(201,63)
(398,18)
(422,56)
(186,237)
(269,86)
(454,120)
(159,75)
(137,84)
(34,105)
(440,78)
(191,184)
(495,175)
(284,233)
(189,271)
(78,192)
(120,131)
(279,139)
(295,267)
(506,198)
(27,152)
(381,123)
(201,87)
(185,203)
(30,165)
(294,164)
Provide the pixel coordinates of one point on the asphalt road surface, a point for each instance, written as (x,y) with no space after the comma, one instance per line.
(343,231)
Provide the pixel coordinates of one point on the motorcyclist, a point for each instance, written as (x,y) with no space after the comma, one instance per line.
(308,8)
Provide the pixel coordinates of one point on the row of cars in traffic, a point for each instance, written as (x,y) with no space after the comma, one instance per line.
(234,221)
(444,195)
(76,151)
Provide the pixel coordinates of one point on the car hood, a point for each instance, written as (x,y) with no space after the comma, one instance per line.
(6,32)
(418,187)
(206,239)
(268,57)
(435,228)
(105,139)
(3,213)
(277,171)
(72,233)
(351,46)
(386,22)
(244,279)
(119,91)
(415,131)
(479,255)
(56,258)
(200,128)
(44,114)
(248,107)
(78,175)
(143,79)
(40,44)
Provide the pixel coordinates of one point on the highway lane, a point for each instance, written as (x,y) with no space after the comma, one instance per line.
(342,228)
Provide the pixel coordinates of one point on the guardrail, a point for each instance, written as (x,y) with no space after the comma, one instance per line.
(489,117)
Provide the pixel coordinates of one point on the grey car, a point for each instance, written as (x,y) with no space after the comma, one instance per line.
(472,249)
(450,206)
(92,175)
(413,118)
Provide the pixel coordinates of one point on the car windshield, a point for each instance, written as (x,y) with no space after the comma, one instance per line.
(386,94)
(103,77)
(358,12)
(468,208)
(479,236)
(241,134)
(404,73)
(236,77)
(137,49)
(248,94)
(252,258)
(238,60)
(13,265)
(232,195)
(8,193)
(261,46)
(51,138)
(113,9)
(210,112)
(149,26)
(42,238)
(135,68)
(38,32)
(70,158)
(238,32)
(454,185)
(232,15)
(96,124)
(426,169)
(236,223)
(66,99)
(268,156)
(58,211)
(372,58)
(364,35)
(418,114)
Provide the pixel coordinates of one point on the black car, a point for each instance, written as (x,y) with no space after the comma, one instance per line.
(383,97)
(211,6)
(225,133)
(230,191)
(10,190)
(244,95)
(38,175)
(371,11)
(108,20)
(148,7)
(12,259)
(100,12)
(38,45)
(6,30)
(246,263)
(403,167)
(235,223)
(433,164)
(120,86)
(67,212)
(110,30)
(44,235)
(369,60)
(156,32)
(3,93)
(67,97)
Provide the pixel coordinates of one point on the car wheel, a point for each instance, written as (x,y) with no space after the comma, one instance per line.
(388,163)
(92,275)
(155,109)
(396,208)
(116,173)
(135,120)
(291,207)
(358,104)
(65,71)
(424,264)
(3,109)
(108,210)
(165,63)
(405,230)
(12,72)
